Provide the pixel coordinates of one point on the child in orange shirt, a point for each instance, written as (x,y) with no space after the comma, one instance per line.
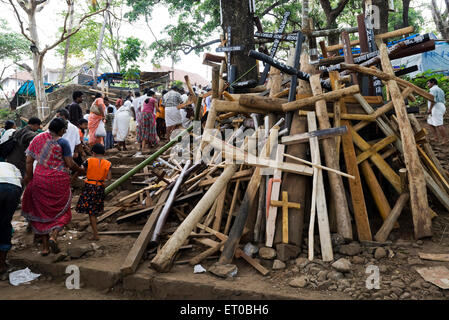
(92,197)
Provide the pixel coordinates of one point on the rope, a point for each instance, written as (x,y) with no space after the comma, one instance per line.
(244,74)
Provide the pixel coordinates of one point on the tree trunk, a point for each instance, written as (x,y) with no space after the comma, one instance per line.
(441,22)
(99,47)
(67,44)
(236,15)
(38,68)
(405,9)
(383,15)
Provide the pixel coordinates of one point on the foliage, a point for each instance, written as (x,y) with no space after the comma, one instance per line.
(131,51)
(6,114)
(421,79)
(13,45)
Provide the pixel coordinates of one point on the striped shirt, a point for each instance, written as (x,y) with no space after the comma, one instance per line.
(10,174)
(438,93)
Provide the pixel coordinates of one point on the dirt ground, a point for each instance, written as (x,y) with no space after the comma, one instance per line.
(396,260)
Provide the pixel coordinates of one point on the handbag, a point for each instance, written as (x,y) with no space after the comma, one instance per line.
(101,130)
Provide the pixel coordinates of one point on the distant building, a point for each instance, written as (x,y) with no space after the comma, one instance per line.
(77,75)
(13,82)
(195,79)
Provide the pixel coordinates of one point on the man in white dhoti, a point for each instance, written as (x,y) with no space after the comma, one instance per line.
(120,128)
(436,111)
(173,117)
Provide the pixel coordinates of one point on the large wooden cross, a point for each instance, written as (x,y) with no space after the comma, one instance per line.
(229,49)
(275,47)
(285,205)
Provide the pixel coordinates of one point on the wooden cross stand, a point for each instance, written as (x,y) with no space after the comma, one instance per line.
(275,47)
(285,206)
(228,49)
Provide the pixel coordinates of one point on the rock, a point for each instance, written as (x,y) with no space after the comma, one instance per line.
(223,270)
(322,275)
(299,282)
(77,252)
(414,261)
(383,269)
(405,295)
(83,225)
(337,239)
(426,285)
(314,270)
(295,269)
(351,249)
(397,291)
(278,265)
(358,260)
(380,253)
(267,253)
(301,263)
(394,296)
(60,257)
(342,265)
(397,284)
(401,256)
(344,283)
(335,275)
(95,246)
(250,249)
(333,287)
(420,242)
(416,285)
(286,251)
(103,227)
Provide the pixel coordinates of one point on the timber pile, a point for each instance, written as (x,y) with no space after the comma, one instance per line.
(329,153)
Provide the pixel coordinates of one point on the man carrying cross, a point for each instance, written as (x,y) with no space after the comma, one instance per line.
(436,111)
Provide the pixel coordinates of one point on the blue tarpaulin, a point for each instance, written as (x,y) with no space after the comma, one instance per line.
(436,60)
(27,89)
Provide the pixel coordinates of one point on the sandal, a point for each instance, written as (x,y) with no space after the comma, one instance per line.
(53,246)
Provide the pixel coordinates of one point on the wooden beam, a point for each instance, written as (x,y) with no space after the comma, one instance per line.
(263,103)
(319,134)
(418,194)
(219,210)
(355,185)
(375,148)
(318,206)
(273,194)
(383,166)
(387,77)
(337,189)
(329,96)
(345,116)
(388,224)
(132,260)
(237,175)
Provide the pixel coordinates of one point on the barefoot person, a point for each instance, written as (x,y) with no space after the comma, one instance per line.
(120,127)
(436,111)
(173,118)
(91,200)
(47,197)
(96,115)
(146,131)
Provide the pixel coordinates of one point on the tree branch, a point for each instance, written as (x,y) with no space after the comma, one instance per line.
(198,46)
(21,22)
(65,37)
(274,5)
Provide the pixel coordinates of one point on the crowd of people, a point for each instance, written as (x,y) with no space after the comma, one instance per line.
(37,166)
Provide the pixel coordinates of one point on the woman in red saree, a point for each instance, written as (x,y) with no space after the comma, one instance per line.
(95,118)
(47,197)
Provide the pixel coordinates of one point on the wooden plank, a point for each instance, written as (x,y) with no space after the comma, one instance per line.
(388,224)
(274,192)
(355,185)
(108,214)
(131,262)
(238,252)
(375,148)
(219,209)
(337,189)
(237,175)
(319,134)
(432,167)
(418,194)
(122,232)
(383,166)
(318,200)
(345,116)
(443,257)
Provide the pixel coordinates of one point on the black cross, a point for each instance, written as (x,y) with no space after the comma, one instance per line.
(275,46)
(228,49)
